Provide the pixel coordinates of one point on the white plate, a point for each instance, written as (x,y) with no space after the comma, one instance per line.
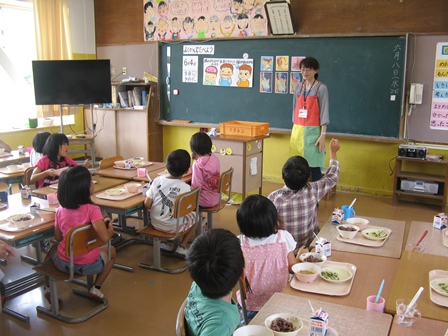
(435,284)
(341,274)
(375,234)
(436,297)
(115,191)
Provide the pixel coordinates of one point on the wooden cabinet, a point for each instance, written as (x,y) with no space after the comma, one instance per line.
(245,155)
(129,132)
(405,170)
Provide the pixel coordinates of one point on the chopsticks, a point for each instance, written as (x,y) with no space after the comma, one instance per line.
(418,243)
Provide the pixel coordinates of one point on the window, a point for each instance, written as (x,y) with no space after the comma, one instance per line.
(17,49)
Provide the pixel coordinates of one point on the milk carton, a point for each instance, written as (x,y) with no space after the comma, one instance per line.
(338,215)
(440,221)
(318,323)
(323,247)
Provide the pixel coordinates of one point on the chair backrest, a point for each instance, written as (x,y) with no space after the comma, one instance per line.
(180,321)
(186,204)
(109,162)
(81,239)
(27,176)
(243,291)
(225,186)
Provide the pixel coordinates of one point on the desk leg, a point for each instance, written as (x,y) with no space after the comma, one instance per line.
(17,315)
(31,260)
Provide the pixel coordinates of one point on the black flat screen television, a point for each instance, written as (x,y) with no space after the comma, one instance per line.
(72,82)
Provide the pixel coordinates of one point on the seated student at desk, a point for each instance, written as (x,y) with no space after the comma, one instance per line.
(5,146)
(55,157)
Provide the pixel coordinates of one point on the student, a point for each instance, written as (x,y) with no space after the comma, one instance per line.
(297,201)
(55,157)
(215,262)
(162,194)
(268,252)
(38,147)
(74,191)
(5,146)
(205,170)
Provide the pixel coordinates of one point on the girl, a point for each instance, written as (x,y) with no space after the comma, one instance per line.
(205,170)
(268,252)
(74,190)
(48,167)
(38,147)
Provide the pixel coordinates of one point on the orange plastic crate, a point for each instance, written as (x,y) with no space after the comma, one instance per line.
(244,128)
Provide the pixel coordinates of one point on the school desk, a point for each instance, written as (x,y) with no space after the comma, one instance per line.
(13,158)
(127,174)
(413,273)
(423,326)
(434,242)
(371,270)
(391,248)
(345,320)
(10,178)
(102,183)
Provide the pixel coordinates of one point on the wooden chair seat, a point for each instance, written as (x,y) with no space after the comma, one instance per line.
(180,320)
(185,204)
(79,239)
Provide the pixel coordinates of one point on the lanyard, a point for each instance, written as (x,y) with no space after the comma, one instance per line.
(305,93)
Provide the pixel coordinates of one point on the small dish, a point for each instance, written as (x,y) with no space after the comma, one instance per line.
(21,220)
(46,215)
(253,330)
(119,164)
(306,272)
(284,318)
(132,187)
(362,223)
(335,274)
(375,234)
(440,285)
(347,231)
(115,192)
(313,257)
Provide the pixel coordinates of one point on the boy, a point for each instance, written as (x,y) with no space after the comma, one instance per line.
(215,262)
(297,201)
(162,194)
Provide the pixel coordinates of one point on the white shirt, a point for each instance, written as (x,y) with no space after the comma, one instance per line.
(285,237)
(34,157)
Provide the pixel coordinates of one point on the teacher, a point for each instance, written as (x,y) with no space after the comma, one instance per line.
(310,116)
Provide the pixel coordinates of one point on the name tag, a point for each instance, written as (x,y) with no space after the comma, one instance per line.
(303,113)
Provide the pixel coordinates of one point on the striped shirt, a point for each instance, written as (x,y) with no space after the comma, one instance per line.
(297,209)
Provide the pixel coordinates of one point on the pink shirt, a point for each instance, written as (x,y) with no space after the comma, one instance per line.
(66,219)
(44,163)
(205,175)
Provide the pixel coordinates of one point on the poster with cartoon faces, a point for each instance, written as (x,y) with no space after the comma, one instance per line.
(235,72)
(170,20)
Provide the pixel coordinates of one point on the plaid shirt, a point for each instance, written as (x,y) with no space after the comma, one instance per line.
(297,209)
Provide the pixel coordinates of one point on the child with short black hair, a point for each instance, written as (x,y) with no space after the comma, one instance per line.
(205,170)
(74,190)
(162,194)
(215,262)
(297,201)
(39,141)
(268,252)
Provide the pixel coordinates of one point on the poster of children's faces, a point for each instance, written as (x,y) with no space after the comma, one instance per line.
(235,72)
(168,20)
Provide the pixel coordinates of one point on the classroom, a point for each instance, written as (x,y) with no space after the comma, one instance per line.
(354,43)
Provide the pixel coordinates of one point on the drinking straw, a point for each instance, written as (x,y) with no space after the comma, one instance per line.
(311,306)
(353,203)
(418,243)
(379,291)
(412,303)
(149,178)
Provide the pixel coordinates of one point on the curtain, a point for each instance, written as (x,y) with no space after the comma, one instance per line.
(53,40)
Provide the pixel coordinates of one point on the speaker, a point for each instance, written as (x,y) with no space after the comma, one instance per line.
(420,186)
(401,151)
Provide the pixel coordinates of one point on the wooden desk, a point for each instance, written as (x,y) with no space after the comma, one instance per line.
(125,173)
(423,326)
(433,240)
(413,273)
(103,183)
(391,248)
(14,158)
(371,270)
(345,320)
(123,208)
(245,156)
(156,173)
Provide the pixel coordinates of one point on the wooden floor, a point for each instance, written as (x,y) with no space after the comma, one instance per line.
(146,302)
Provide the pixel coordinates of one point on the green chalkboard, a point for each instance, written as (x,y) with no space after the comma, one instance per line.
(364,75)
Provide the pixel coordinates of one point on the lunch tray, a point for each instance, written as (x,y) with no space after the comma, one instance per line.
(121,197)
(359,239)
(143,164)
(433,295)
(320,286)
(6,171)
(5,225)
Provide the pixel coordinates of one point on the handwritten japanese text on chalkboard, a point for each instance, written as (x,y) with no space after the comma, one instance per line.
(395,82)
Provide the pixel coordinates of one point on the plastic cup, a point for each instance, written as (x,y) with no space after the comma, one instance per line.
(404,317)
(376,307)
(141,172)
(52,199)
(348,212)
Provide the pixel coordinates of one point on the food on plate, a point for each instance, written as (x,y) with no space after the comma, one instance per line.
(347,228)
(376,233)
(444,287)
(114,192)
(21,218)
(440,286)
(313,258)
(330,275)
(282,325)
(306,272)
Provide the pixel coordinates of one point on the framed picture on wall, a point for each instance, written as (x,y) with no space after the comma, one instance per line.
(279,17)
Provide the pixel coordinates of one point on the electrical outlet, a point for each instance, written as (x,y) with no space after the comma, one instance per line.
(124,71)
